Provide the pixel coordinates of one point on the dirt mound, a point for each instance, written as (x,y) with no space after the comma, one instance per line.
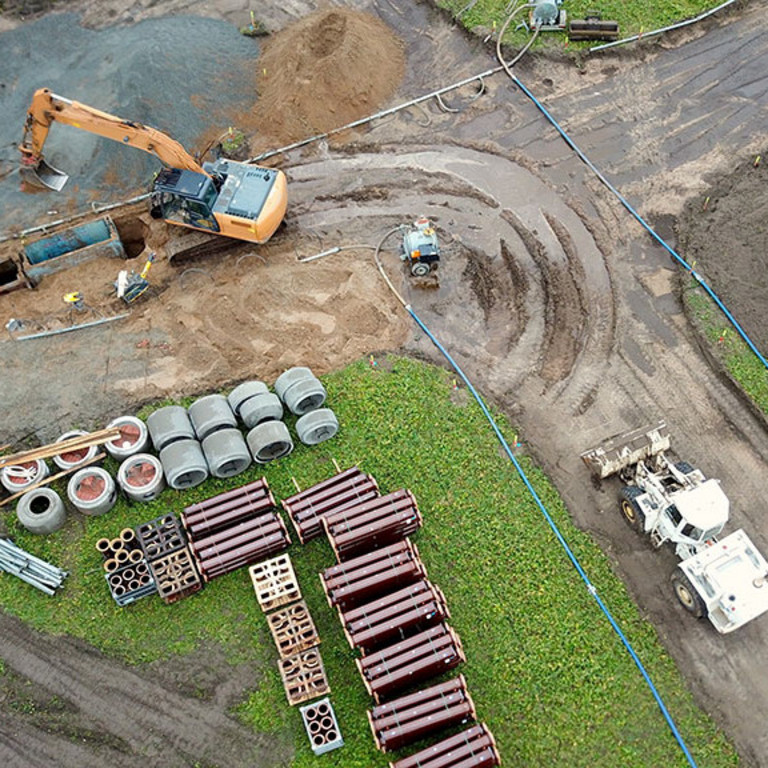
(329,69)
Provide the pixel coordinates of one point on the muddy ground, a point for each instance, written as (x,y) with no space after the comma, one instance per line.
(554,301)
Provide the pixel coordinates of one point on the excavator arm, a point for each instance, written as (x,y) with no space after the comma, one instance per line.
(47,107)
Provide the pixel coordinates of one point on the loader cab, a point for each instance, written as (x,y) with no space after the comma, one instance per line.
(698,514)
(186,198)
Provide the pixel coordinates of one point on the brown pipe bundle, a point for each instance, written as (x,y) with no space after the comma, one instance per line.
(307,508)
(421,657)
(364,578)
(473,748)
(394,616)
(413,717)
(372,524)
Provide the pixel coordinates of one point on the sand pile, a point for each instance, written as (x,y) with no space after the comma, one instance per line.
(331,68)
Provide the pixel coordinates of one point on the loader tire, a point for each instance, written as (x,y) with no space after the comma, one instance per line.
(689,598)
(630,509)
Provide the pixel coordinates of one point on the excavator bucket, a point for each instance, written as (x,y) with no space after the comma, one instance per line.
(622,451)
(43,176)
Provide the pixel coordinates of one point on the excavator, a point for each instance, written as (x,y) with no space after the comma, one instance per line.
(236,200)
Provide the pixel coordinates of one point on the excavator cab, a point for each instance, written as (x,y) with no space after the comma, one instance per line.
(185,197)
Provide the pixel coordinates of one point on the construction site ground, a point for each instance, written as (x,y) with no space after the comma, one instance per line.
(557,304)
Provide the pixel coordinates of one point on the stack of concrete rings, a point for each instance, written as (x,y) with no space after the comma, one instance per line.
(41,511)
(92,491)
(261,411)
(19,477)
(303,394)
(215,425)
(134,437)
(141,477)
(181,455)
(72,459)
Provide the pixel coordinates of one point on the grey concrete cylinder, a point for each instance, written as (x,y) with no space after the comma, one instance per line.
(169,424)
(72,459)
(290,377)
(226,453)
(269,441)
(263,407)
(141,477)
(211,413)
(134,437)
(92,491)
(305,396)
(317,426)
(184,464)
(18,477)
(41,511)
(243,392)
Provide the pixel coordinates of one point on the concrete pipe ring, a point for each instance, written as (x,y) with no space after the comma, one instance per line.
(243,392)
(169,424)
(269,441)
(72,459)
(41,511)
(92,491)
(305,396)
(210,413)
(184,464)
(18,477)
(141,477)
(134,437)
(265,407)
(317,426)
(226,453)
(290,377)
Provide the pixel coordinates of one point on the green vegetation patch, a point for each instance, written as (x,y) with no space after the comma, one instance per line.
(634,16)
(546,671)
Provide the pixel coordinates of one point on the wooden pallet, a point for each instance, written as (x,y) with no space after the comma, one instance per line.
(274,583)
(303,676)
(293,630)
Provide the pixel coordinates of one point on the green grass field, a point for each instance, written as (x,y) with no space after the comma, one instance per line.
(546,672)
(633,16)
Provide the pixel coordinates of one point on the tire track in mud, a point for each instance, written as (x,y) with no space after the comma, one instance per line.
(140,720)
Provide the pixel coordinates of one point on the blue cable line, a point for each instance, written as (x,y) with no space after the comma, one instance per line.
(642,221)
(572,557)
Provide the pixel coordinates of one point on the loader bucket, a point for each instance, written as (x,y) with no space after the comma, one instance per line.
(624,450)
(43,176)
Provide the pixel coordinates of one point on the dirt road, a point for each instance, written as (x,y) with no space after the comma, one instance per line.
(556,304)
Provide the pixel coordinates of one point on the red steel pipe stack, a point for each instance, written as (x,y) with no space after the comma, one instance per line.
(413,717)
(472,748)
(234,529)
(396,615)
(425,655)
(227,509)
(376,573)
(372,524)
(307,508)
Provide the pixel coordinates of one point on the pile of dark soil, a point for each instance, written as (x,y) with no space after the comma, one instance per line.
(327,70)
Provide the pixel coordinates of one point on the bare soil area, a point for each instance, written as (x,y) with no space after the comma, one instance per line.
(555,303)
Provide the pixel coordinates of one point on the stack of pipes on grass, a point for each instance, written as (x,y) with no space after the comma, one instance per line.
(307,509)
(34,571)
(235,528)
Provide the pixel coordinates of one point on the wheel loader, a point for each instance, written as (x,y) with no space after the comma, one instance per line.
(671,502)
(236,200)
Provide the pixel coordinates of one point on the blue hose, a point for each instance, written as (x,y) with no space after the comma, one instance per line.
(571,556)
(642,221)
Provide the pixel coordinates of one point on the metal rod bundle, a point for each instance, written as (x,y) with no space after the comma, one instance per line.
(307,508)
(364,578)
(421,657)
(34,571)
(372,524)
(473,748)
(227,509)
(394,616)
(413,717)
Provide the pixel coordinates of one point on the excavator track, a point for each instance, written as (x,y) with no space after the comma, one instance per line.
(197,244)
